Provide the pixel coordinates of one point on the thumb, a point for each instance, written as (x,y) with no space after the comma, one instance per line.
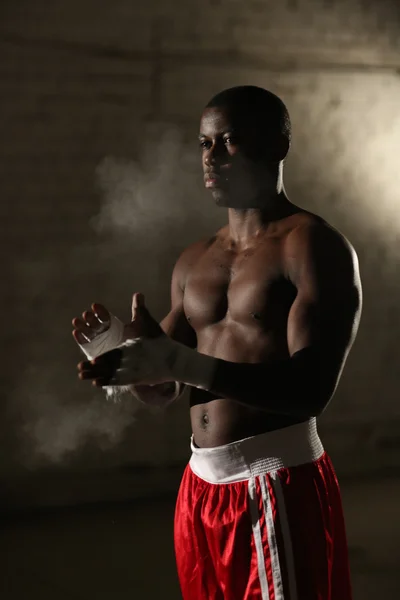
(143,324)
(137,304)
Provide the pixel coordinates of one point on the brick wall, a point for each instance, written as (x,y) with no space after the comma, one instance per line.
(89,88)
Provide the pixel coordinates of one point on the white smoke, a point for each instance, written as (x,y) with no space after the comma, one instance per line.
(149,211)
(157,196)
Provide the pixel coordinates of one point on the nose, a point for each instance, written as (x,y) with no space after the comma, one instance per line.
(209,159)
(214,154)
(209,156)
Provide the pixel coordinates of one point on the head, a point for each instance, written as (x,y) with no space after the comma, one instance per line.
(245,135)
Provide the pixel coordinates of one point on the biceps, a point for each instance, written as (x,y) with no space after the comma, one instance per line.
(329,323)
(302,327)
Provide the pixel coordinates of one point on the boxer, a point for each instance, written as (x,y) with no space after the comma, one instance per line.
(263,316)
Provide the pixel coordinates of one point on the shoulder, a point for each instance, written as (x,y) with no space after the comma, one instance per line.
(193,252)
(311,235)
(189,257)
(314,244)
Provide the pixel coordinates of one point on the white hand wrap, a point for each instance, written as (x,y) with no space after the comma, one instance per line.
(193,368)
(160,359)
(110,339)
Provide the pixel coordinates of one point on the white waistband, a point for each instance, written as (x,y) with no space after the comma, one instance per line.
(257,455)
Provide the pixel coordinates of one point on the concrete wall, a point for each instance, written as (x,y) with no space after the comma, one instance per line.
(99,113)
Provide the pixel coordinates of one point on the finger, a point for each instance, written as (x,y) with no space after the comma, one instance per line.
(139,299)
(80,325)
(137,303)
(106,365)
(87,376)
(112,357)
(101,312)
(99,383)
(84,365)
(133,330)
(79,337)
(107,382)
(121,378)
(96,373)
(92,321)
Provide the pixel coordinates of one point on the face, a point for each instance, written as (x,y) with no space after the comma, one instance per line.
(234,159)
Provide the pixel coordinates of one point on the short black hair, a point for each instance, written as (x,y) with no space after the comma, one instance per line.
(260,102)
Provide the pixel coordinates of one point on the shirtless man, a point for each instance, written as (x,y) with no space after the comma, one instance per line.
(263,316)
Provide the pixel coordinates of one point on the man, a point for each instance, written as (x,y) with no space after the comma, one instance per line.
(263,316)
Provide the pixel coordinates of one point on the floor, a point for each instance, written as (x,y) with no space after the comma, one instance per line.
(124,551)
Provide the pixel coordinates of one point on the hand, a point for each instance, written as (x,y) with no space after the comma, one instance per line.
(142,324)
(98,331)
(145,359)
(93,323)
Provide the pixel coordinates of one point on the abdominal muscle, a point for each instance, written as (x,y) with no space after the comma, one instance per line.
(218,421)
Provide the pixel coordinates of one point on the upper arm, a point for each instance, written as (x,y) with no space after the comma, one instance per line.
(325,315)
(175,324)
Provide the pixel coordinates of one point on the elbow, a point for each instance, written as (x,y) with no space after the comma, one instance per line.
(319,398)
(313,398)
(318,410)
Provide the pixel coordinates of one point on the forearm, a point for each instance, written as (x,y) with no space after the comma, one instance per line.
(300,386)
(294,387)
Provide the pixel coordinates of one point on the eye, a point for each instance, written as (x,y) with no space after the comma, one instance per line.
(204,144)
(230,140)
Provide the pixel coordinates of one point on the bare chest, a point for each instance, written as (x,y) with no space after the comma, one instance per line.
(243,288)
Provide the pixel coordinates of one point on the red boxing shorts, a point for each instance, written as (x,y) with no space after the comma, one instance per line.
(262,519)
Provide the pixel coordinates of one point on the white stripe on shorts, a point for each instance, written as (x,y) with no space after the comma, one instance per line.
(287,540)
(255,517)
(272,543)
(286,552)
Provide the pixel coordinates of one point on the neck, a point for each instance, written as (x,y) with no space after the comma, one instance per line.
(245,224)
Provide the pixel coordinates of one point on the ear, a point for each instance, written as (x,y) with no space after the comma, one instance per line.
(281,149)
(274,151)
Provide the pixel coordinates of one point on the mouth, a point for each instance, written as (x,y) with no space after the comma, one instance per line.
(214,180)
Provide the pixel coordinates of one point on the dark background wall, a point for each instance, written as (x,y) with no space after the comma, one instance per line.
(99,110)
